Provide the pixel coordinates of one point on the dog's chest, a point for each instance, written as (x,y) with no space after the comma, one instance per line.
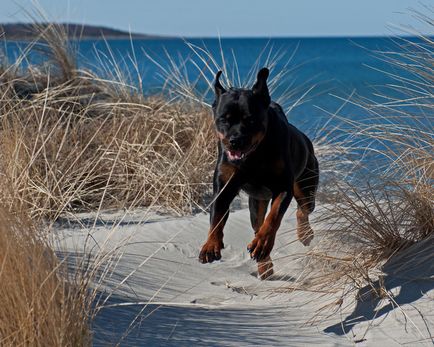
(258,192)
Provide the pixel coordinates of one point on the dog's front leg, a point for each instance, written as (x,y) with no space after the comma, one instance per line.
(225,193)
(261,246)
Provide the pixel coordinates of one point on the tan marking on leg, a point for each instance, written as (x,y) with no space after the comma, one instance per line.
(272,222)
(265,268)
(211,250)
(304,230)
(262,245)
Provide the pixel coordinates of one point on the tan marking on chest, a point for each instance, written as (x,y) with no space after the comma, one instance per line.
(226,172)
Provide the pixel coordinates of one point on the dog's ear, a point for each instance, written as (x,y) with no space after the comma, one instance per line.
(219,90)
(260,87)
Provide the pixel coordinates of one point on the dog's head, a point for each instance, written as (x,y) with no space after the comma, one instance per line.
(240,116)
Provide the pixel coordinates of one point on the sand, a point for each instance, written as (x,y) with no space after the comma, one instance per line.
(158,294)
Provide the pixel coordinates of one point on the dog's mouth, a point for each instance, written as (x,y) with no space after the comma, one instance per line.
(236,155)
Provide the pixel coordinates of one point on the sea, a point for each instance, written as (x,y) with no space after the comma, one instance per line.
(322,83)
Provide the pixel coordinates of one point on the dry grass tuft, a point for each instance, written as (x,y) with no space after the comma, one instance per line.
(38,307)
(60,158)
(363,228)
(71,141)
(370,218)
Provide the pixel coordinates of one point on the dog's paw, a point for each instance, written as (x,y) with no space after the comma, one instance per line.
(305,234)
(261,246)
(211,251)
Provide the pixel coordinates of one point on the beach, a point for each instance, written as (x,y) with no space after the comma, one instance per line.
(157,284)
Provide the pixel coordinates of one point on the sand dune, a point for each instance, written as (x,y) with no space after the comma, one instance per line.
(174,300)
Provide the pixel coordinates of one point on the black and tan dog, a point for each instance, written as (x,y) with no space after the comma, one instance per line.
(260,153)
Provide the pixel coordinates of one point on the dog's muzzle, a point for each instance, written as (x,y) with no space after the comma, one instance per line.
(237,155)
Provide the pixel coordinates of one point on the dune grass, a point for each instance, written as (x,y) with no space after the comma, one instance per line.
(71,141)
(378,212)
(40,305)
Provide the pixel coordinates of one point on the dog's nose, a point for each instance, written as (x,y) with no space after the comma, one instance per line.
(236,142)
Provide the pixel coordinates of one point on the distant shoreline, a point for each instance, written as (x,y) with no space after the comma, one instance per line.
(31,31)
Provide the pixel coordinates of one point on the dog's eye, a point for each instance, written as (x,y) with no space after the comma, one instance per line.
(223,121)
(250,121)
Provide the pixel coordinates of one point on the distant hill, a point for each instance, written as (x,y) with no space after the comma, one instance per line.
(26,31)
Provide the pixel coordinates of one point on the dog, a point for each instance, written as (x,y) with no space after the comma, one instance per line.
(262,154)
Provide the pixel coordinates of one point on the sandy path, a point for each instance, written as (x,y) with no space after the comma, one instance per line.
(179,302)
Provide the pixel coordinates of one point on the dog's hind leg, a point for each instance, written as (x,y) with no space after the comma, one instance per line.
(304,193)
(258,210)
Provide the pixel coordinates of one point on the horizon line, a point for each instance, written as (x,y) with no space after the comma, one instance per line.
(177,36)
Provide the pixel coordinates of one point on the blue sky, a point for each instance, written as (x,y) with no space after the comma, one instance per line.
(263,18)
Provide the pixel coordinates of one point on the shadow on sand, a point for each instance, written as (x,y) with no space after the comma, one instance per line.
(412,272)
(195,326)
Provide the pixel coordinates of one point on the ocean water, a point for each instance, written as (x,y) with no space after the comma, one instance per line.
(320,73)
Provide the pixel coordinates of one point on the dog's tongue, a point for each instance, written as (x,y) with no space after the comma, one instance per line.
(235,155)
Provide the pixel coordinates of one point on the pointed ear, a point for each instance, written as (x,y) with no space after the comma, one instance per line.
(260,87)
(219,90)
